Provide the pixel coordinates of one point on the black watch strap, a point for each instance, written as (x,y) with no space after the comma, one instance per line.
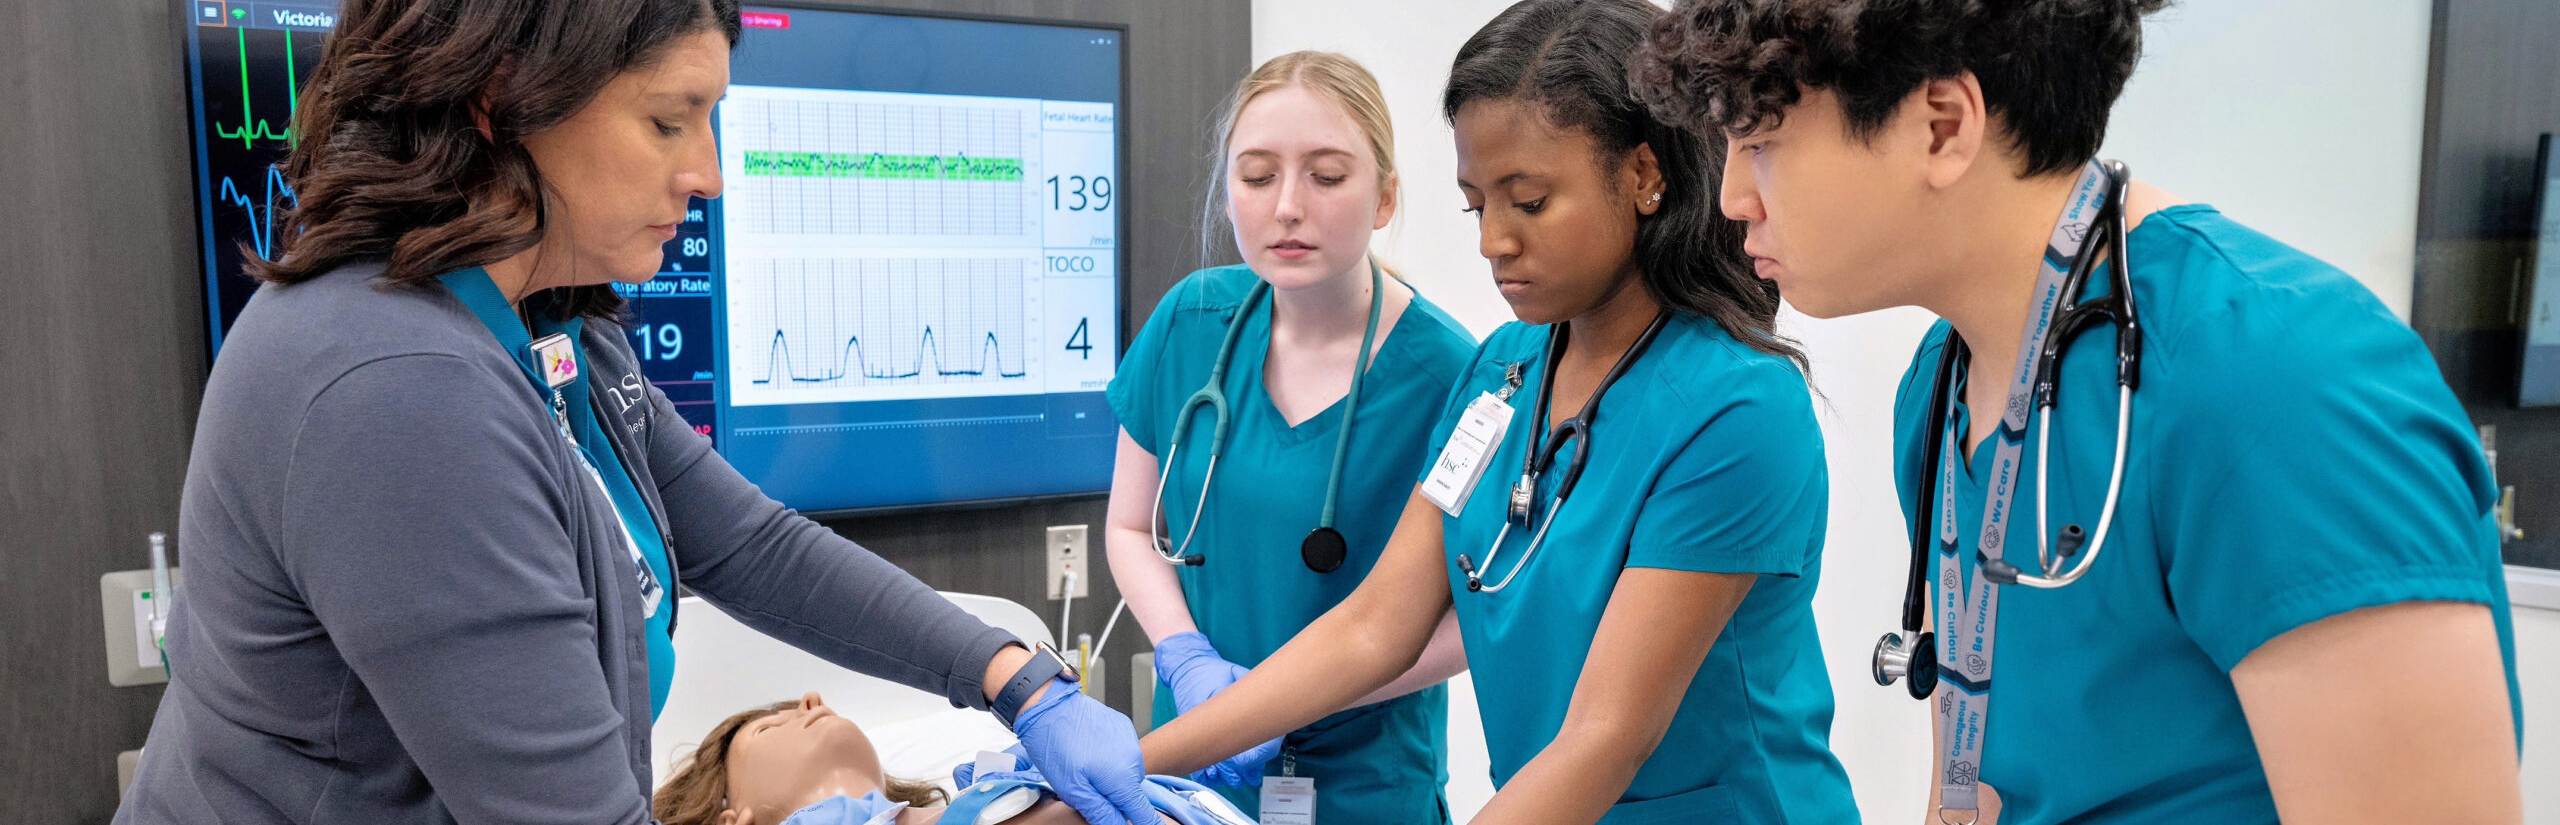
(1043,667)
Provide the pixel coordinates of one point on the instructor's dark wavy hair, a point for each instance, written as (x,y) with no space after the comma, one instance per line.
(390,164)
(1566,59)
(2050,69)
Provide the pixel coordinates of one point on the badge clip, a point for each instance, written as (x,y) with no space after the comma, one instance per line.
(557,356)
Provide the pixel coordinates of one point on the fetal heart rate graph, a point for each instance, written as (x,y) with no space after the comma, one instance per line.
(877,328)
(248,79)
(841,163)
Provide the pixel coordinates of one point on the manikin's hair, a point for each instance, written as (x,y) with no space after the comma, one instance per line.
(699,790)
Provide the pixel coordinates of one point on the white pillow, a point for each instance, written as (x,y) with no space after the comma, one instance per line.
(926,748)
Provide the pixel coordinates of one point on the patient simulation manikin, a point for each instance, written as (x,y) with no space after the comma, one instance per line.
(798,763)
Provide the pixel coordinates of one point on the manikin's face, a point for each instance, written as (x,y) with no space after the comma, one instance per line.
(1303,188)
(620,171)
(1832,217)
(795,758)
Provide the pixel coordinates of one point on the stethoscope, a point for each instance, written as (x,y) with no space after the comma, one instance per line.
(1536,462)
(1323,549)
(1913,651)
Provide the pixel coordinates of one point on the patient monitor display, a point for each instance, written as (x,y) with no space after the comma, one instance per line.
(2539,385)
(908,292)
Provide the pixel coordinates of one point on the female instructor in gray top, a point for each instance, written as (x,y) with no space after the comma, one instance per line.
(434,515)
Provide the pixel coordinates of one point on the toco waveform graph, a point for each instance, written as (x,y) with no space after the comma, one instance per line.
(870,329)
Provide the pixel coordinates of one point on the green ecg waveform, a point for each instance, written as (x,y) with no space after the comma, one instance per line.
(252,129)
(883,167)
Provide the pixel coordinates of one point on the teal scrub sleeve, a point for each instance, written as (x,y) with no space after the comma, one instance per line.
(1748,493)
(2332,473)
(1137,393)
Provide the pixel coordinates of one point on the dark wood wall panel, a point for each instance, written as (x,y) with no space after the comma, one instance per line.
(2493,89)
(102,342)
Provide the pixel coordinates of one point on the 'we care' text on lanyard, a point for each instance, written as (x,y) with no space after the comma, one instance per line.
(1969,617)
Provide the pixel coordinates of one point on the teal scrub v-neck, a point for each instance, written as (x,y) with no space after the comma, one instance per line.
(2295,455)
(1381,763)
(1705,457)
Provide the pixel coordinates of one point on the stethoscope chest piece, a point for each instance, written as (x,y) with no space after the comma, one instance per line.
(1914,657)
(1324,550)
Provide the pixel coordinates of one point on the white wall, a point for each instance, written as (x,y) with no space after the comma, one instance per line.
(2299,117)
(2302,118)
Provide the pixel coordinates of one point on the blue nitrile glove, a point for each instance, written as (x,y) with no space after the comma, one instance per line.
(1089,753)
(966,773)
(1188,663)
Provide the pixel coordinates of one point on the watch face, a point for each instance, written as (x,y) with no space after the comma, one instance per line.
(1066,667)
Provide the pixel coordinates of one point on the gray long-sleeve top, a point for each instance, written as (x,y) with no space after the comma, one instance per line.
(405,603)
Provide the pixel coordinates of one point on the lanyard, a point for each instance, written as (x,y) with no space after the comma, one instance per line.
(1969,620)
(481,296)
(551,364)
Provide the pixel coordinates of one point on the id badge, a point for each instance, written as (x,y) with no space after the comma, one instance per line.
(1288,800)
(1471,445)
(651,591)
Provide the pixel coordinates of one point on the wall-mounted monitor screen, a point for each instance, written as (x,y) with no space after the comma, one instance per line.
(2539,381)
(908,293)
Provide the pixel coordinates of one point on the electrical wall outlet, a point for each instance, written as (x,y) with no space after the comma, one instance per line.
(1067,553)
(125,603)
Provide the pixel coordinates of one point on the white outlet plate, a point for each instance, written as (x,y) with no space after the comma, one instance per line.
(1068,551)
(123,600)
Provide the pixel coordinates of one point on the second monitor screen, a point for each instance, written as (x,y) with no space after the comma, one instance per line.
(919,258)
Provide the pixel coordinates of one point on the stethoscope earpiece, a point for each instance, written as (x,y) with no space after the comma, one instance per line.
(1913,652)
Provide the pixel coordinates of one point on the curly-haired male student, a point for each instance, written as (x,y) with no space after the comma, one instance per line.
(2244,570)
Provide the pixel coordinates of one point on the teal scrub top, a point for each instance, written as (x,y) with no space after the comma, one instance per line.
(2295,455)
(1380,763)
(1705,457)
(475,290)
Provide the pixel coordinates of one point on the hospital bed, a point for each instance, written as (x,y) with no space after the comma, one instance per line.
(728,667)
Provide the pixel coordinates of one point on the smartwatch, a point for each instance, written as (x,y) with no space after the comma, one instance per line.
(1045,665)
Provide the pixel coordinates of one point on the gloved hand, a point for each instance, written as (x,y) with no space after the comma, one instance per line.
(1089,753)
(1196,672)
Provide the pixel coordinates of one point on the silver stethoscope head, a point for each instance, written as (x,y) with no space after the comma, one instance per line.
(1545,445)
(1895,656)
(2060,561)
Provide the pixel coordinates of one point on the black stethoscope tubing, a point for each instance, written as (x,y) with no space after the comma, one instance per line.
(1537,461)
(2115,309)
